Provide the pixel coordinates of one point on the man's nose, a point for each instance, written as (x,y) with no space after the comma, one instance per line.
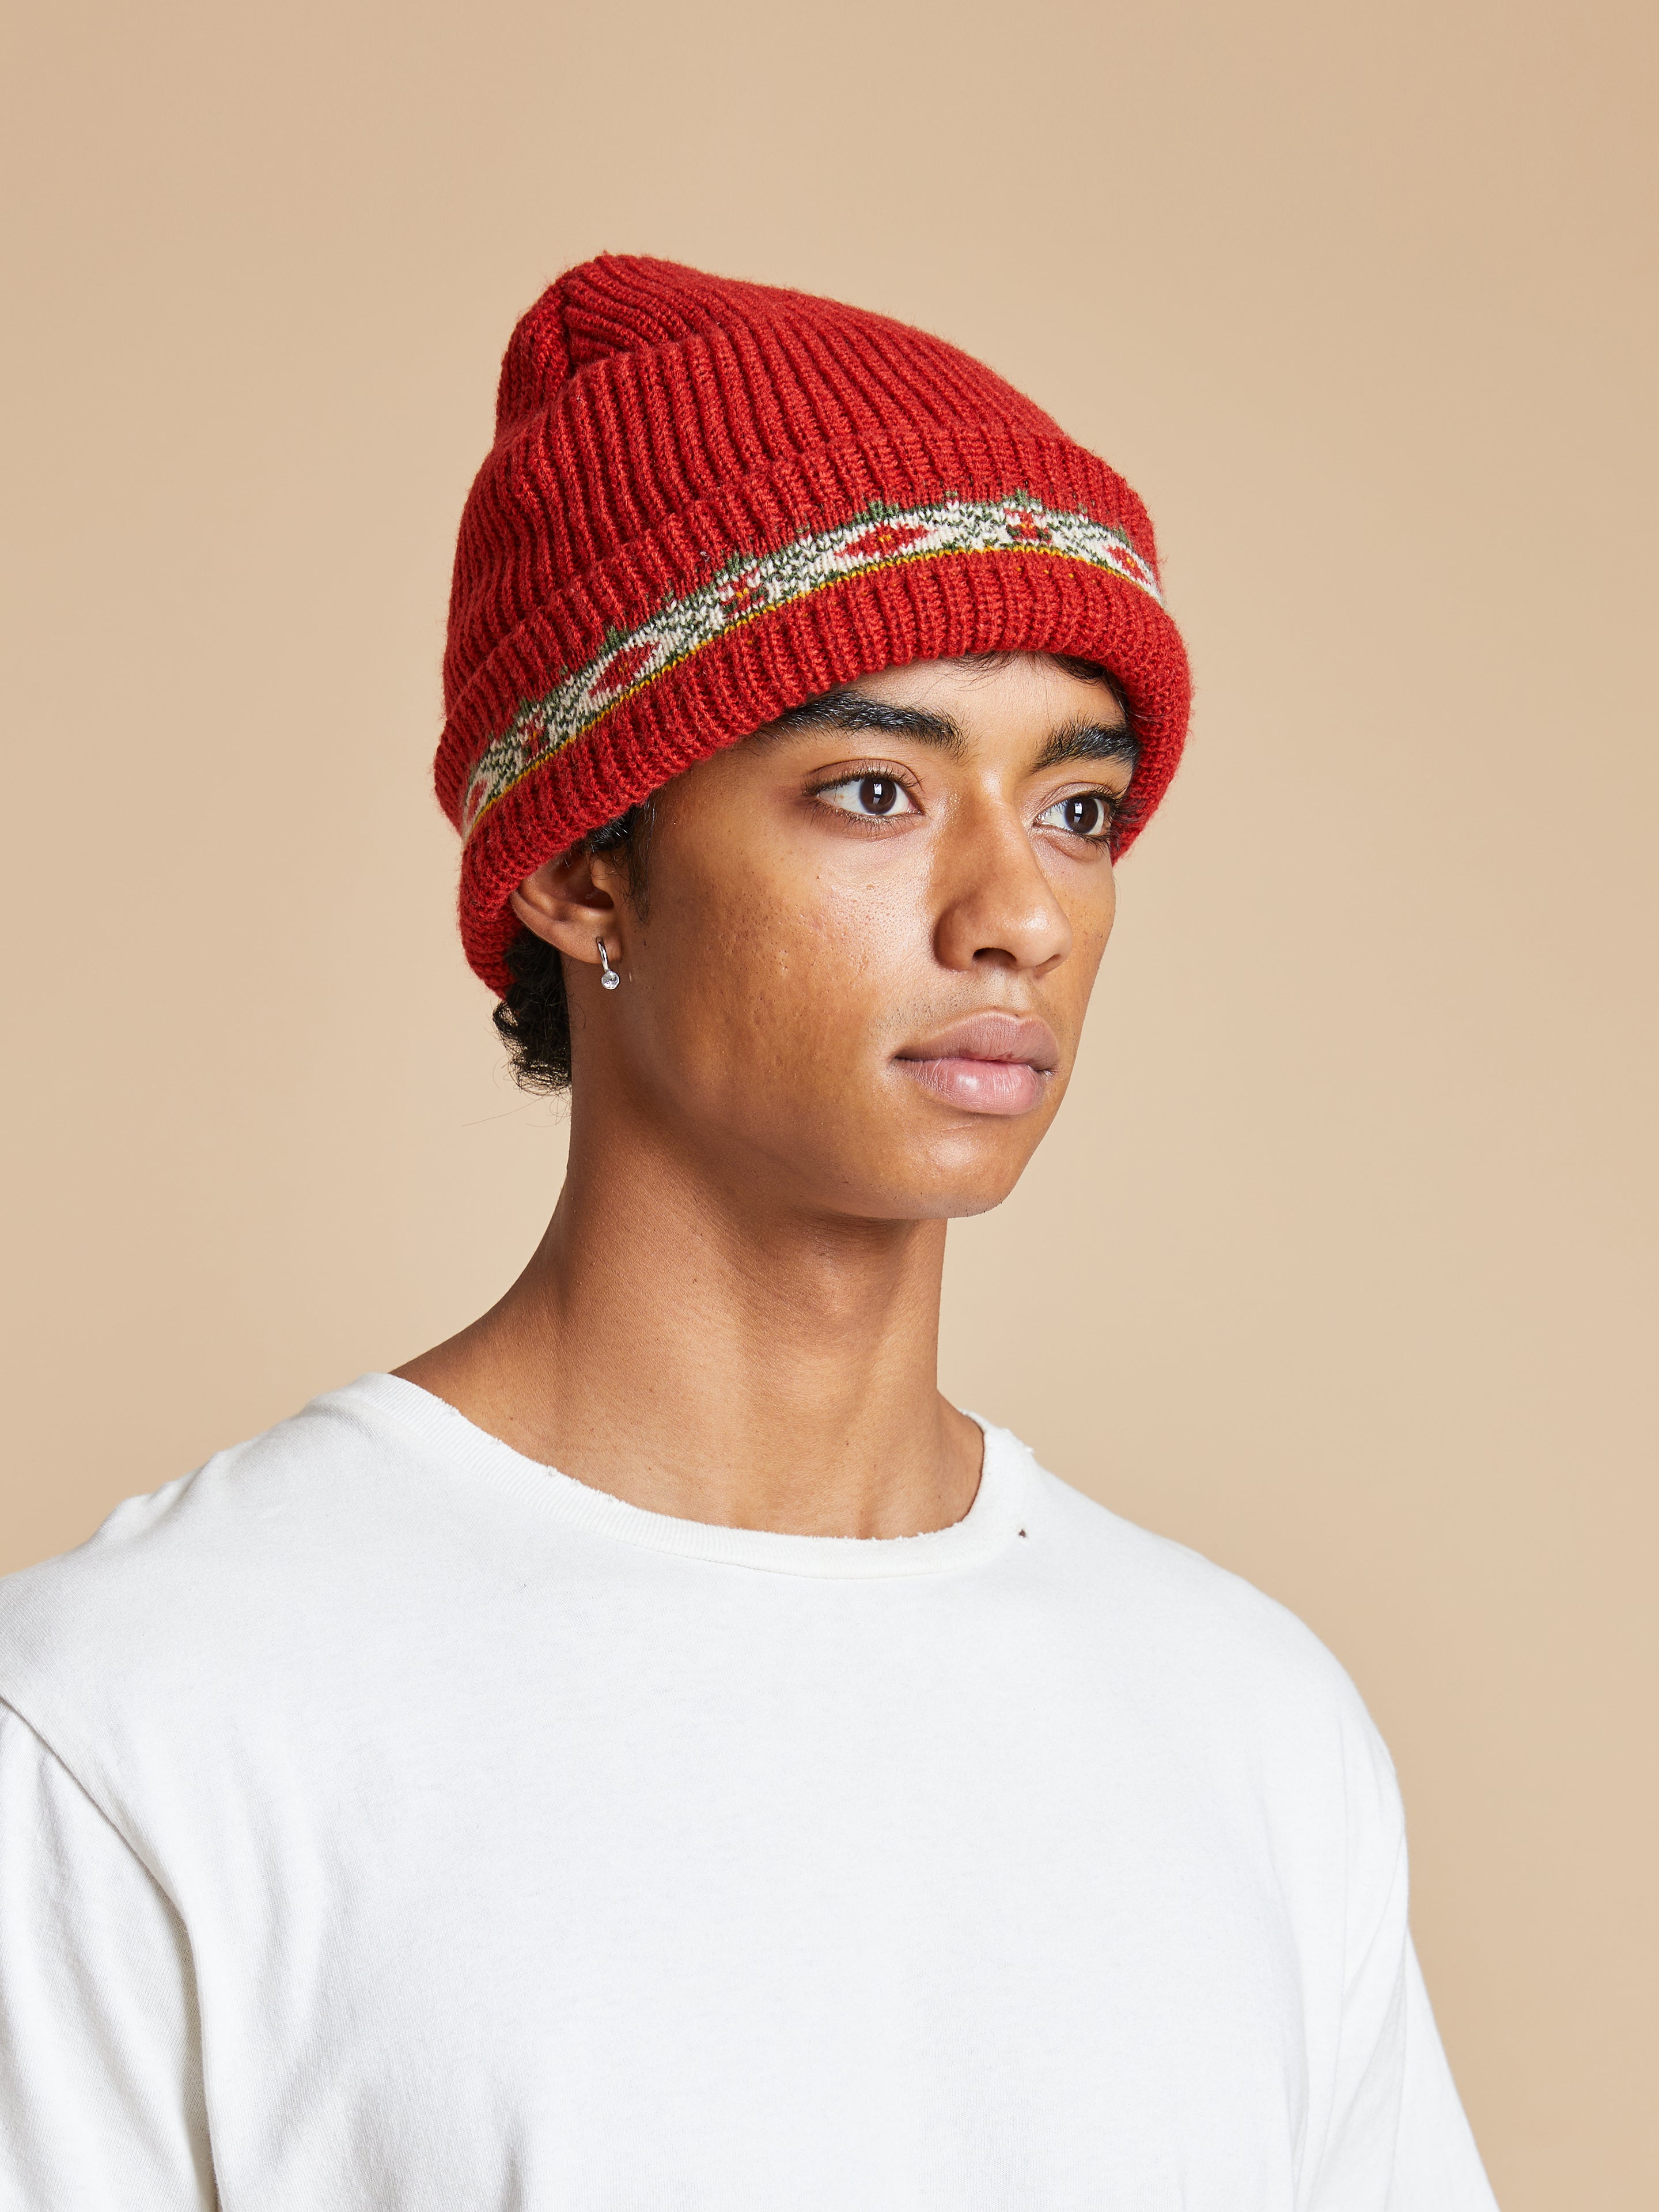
(996,908)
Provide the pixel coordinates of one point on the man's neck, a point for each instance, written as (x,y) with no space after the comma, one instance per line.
(692,1342)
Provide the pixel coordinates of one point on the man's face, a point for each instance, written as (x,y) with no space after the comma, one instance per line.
(869,939)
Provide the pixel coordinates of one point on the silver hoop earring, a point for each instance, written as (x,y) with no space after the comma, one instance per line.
(608,978)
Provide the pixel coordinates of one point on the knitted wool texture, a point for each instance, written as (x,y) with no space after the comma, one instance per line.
(709,501)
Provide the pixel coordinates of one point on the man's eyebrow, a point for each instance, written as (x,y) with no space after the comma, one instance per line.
(851,710)
(1080,741)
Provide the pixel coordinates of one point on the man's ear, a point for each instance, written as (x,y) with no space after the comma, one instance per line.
(571,901)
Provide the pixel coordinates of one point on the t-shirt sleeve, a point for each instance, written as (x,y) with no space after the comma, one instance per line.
(101,2075)
(1398,2139)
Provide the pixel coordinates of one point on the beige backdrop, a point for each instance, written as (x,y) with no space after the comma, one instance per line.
(1337,1264)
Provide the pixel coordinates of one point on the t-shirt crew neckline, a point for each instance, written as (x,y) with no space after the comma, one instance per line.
(998,1515)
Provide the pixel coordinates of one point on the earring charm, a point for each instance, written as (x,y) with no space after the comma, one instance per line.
(608,978)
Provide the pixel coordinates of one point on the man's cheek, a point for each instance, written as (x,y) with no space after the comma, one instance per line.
(855,966)
(868,935)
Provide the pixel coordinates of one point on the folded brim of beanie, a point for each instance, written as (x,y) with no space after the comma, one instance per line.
(677,644)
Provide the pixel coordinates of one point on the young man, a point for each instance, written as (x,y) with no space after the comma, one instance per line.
(653,1751)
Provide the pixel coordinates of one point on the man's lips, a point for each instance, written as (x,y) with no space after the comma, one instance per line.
(987,1064)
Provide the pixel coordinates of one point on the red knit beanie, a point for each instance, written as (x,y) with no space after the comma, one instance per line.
(709,501)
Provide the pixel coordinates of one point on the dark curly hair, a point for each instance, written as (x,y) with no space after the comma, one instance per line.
(534,1018)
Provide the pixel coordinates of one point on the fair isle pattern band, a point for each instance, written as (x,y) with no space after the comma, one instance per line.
(748,585)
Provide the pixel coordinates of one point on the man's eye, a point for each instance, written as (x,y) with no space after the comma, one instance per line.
(1086,814)
(870,796)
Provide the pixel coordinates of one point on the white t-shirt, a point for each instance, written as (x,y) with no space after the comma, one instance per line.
(388,1821)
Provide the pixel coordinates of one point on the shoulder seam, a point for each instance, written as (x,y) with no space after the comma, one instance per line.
(103,1811)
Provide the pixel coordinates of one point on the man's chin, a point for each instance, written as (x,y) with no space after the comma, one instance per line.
(939,1183)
